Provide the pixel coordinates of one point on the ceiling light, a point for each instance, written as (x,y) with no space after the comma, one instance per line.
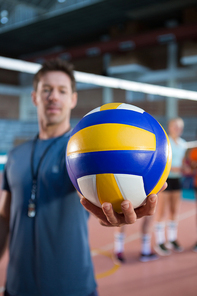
(4,13)
(4,20)
(4,16)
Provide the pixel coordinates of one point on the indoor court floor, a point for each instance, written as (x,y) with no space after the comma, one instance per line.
(175,275)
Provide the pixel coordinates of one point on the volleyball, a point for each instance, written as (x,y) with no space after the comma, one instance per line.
(118,152)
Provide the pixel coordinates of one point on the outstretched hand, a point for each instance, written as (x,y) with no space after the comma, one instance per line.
(108,217)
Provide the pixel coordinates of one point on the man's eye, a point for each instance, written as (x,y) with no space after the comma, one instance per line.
(46,90)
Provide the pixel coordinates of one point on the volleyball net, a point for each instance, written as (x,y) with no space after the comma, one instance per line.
(99,80)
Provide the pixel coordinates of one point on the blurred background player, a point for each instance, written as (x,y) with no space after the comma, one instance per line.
(193,163)
(190,169)
(170,198)
(146,249)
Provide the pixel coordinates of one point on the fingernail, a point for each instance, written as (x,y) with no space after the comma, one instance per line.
(83,201)
(153,198)
(106,207)
(125,205)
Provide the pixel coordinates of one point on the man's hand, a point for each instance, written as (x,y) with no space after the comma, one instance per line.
(108,217)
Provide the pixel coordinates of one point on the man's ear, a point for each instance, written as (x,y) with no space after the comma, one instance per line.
(33,97)
(74,100)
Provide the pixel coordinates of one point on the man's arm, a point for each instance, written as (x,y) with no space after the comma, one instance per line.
(5,201)
(108,217)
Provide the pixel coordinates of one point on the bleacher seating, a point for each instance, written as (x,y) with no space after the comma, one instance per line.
(10,130)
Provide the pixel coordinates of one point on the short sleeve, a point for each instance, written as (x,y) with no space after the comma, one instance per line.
(5,183)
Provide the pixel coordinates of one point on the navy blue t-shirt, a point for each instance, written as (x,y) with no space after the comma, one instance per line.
(49,254)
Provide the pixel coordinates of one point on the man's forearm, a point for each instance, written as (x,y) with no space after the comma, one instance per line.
(4,232)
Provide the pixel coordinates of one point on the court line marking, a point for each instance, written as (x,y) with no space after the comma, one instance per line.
(115,267)
(186,215)
(105,249)
(132,237)
(110,246)
(137,235)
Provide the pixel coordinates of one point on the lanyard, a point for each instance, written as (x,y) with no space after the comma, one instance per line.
(32,201)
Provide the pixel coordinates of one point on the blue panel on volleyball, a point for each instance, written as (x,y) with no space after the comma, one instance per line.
(120,116)
(160,155)
(114,162)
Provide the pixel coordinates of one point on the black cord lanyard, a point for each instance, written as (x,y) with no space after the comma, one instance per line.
(32,201)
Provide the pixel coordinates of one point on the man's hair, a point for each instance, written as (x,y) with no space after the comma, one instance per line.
(179,120)
(55,65)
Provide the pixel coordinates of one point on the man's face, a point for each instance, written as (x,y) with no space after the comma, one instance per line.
(54,98)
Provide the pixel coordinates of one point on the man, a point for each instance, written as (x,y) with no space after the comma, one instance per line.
(39,209)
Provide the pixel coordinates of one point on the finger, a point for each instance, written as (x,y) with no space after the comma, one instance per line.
(105,224)
(96,211)
(164,187)
(114,218)
(149,208)
(128,211)
(151,204)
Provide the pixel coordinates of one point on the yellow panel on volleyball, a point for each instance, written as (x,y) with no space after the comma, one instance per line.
(108,190)
(110,106)
(166,171)
(114,137)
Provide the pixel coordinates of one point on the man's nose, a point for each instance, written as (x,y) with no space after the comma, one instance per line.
(53,95)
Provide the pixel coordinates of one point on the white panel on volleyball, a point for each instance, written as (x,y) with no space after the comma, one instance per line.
(93,111)
(130,107)
(132,188)
(87,185)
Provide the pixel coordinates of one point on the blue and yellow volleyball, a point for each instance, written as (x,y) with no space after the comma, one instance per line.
(118,152)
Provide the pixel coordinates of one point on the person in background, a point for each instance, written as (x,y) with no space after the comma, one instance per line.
(40,211)
(193,164)
(146,235)
(119,243)
(190,169)
(170,198)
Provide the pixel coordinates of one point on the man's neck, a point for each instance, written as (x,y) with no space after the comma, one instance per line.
(174,138)
(52,131)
